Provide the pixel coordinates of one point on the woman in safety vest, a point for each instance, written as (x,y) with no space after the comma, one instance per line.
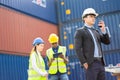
(36,69)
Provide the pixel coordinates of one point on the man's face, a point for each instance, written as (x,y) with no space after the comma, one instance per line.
(90,19)
(54,45)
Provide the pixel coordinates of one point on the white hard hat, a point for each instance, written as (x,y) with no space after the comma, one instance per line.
(89,11)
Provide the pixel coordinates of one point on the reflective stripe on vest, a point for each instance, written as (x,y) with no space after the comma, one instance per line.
(61,65)
(32,74)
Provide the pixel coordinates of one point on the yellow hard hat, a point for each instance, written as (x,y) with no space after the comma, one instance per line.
(53,38)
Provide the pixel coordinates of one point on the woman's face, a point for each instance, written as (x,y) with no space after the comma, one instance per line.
(40,47)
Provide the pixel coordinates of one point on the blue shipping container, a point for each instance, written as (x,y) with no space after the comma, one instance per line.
(112,21)
(75,8)
(13,67)
(77,73)
(112,51)
(43,9)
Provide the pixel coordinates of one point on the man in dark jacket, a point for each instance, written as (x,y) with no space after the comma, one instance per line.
(88,46)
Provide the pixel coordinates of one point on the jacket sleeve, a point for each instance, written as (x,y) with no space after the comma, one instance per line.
(78,42)
(105,38)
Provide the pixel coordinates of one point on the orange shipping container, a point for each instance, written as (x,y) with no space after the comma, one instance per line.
(18,30)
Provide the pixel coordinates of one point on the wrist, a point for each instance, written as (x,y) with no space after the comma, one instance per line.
(103,31)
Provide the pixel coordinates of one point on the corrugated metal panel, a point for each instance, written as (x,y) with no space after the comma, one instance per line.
(67,35)
(47,13)
(75,71)
(13,67)
(76,7)
(17,32)
(112,21)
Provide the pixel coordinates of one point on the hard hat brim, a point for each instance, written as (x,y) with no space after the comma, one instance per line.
(96,14)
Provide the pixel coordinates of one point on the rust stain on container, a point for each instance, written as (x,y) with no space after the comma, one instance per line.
(17,32)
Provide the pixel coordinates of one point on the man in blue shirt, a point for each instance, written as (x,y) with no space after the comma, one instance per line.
(57,59)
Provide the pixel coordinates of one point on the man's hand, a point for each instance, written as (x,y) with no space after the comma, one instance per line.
(64,58)
(85,65)
(61,56)
(52,59)
(102,24)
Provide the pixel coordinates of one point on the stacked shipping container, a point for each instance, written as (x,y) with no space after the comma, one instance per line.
(38,9)
(76,7)
(17,31)
(70,12)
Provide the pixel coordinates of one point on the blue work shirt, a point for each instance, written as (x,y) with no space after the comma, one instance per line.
(55,50)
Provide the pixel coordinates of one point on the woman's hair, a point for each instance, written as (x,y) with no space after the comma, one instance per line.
(33,49)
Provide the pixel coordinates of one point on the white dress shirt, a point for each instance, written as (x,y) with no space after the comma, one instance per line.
(96,51)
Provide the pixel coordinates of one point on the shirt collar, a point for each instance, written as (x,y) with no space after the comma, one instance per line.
(88,26)
(55,48)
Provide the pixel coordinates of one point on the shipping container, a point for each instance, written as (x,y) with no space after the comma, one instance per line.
(13,67)
(76,72)
(43,9)
(112,51)
(73,9)
(112,22)
(17,32)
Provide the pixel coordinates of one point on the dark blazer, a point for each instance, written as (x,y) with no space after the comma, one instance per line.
(84,44)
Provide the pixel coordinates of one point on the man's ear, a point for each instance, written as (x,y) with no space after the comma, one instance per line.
(84,19)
